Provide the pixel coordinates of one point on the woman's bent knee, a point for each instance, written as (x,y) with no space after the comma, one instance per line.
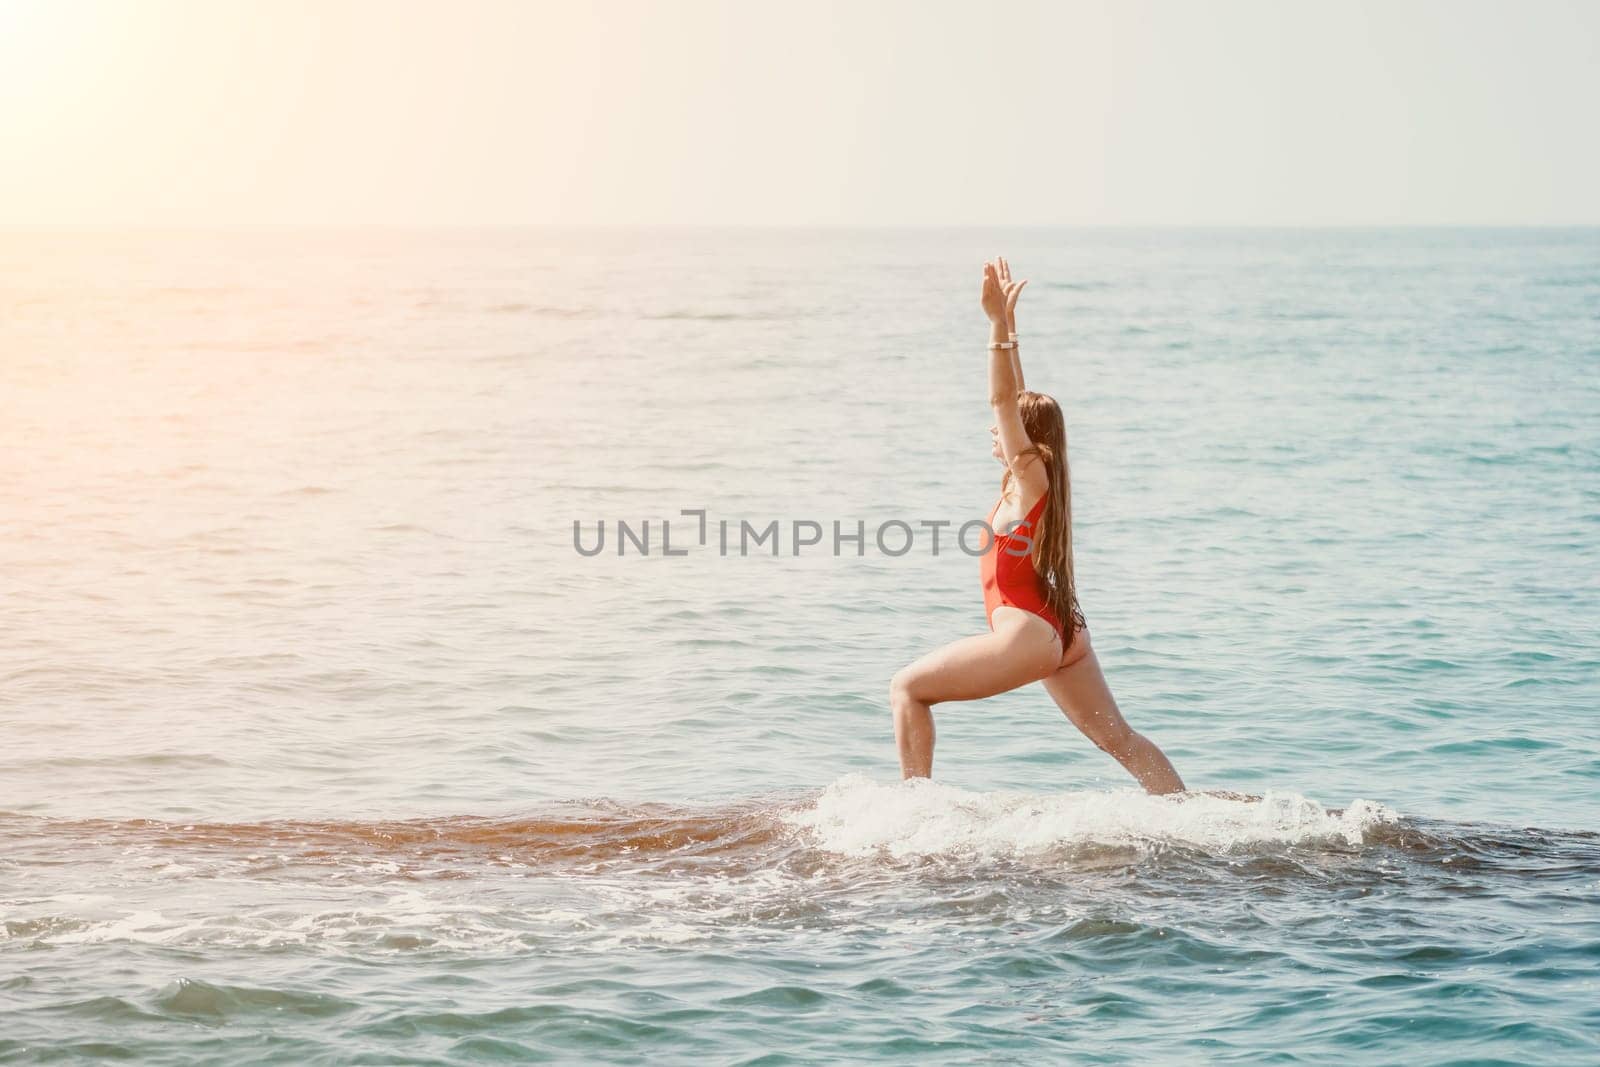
(900,688)
(909,687)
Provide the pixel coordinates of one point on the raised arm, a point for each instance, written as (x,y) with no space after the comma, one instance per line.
(1004,385)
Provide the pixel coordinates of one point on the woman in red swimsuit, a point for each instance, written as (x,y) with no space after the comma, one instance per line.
(1037,633)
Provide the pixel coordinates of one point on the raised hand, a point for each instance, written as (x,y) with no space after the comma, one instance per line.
(1011,289)
(993,297)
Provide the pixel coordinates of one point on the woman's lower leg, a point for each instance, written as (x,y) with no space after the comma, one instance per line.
(1147,763)
(913,733)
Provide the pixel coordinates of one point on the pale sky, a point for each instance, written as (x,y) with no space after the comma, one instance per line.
(167,112)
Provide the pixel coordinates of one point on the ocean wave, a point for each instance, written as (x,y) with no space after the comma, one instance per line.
(860,855)
(854,827)
(857,816)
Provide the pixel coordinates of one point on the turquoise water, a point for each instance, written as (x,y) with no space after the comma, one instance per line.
(323,744)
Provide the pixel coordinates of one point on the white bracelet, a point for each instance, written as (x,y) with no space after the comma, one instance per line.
(1001,346)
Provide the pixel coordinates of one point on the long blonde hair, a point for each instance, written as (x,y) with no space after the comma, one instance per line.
(1052,534)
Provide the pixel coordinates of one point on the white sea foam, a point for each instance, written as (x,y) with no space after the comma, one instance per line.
(858,816)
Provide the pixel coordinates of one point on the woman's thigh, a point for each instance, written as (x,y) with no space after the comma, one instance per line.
(1080,690)
(1017,652)
(1079,648)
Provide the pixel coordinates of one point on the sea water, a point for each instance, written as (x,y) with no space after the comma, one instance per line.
(322,742)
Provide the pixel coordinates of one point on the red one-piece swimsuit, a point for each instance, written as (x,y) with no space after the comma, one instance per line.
(1008,575)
